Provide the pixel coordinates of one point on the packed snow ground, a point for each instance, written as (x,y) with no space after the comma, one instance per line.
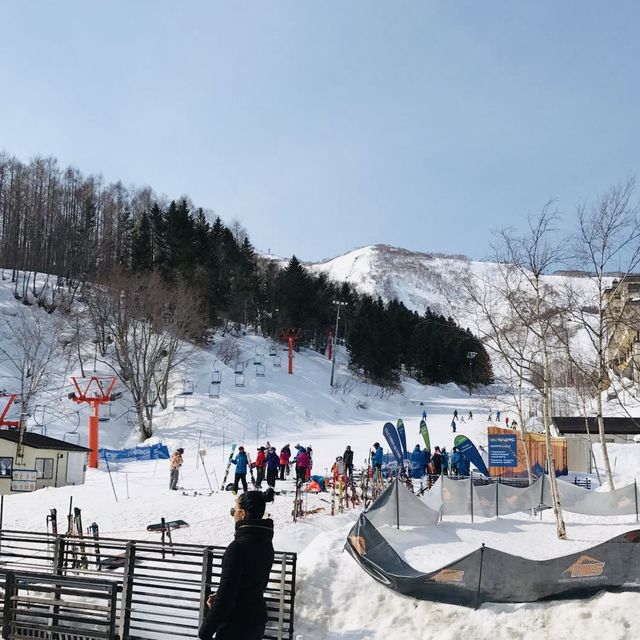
(335,598)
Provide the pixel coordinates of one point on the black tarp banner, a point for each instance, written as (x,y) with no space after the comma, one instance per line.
(488,575)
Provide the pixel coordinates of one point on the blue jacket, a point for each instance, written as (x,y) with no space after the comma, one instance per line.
(445,459)
(273,460)
(241,462)
(377,456)
(456,459)
(426,457)
(417,462)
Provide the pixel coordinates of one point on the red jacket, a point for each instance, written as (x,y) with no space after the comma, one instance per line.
(302,460)
(260,459)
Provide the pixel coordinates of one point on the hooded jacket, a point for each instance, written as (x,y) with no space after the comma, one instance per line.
(246,565)
(241,461)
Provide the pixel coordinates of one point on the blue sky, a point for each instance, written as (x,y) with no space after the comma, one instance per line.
(328,125)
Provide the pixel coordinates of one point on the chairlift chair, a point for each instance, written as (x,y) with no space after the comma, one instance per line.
(105,416)
(258,358)
(214,390)
(179,403)
(216,377)
(131,417)
(187,387)
(239,379)
(72,436)
(239,368)
(260,371)
(277,361)
(39,428)
(272,350)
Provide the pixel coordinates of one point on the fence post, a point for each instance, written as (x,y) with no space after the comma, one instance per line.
(207,570)
(9,589)
(497,495)
(127,590)
(283,576)
(58,555)
(480,576)
(471,488)
(397,504)
(635,491)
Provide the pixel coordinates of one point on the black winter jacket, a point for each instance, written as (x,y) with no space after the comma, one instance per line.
(348,457)
(245,572)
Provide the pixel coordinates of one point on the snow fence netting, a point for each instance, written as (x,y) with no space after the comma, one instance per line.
(460,498)
(489,575)
(397,506)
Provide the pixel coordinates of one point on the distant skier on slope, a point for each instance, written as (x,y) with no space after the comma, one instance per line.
(455,414)
(377,457)
(347,456)
(174,468)
(302,465)
(285,456)
(272,464)
(417,462)
(242,463)
(237,610)
(453,426)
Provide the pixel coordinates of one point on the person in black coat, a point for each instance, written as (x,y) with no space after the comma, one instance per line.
(237,610)
(347,457)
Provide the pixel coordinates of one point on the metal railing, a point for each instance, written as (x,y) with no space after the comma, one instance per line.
(161,588)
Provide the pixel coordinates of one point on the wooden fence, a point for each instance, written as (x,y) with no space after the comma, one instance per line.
(161,589)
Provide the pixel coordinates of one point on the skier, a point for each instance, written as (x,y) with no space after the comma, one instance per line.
(490,416)
(453,426)
(272,464)
(470,415)
(308,473)
(426,459)
(457,462)
(302,465)
(514,424)
(259,465)
(463,465)
(445,461)
(436,461)
(498,415)
(242,462)
(347,456)
(338,469)
(506,420)
(285,455)
(174,468)
(462,419)
(237,609)
(377,456)
(417,462)
(455,414)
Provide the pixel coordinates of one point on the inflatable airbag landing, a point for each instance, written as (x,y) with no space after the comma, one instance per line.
(488,575)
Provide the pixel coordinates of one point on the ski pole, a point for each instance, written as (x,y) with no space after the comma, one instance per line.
(110,478)
(205,471)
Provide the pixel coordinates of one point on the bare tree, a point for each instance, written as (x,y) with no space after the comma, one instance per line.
(519,310)
(34,342)
(151,326)
(607,239)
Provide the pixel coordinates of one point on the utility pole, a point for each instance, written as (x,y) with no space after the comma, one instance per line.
(335,335)
(470,355)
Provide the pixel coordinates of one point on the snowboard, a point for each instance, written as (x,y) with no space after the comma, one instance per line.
(173,524)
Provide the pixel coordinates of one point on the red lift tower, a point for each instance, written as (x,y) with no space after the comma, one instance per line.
(8,399)
(95,391)
(290,335)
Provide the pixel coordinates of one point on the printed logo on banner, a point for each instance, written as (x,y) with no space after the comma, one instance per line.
(449,576)
(584,568)
(359,544)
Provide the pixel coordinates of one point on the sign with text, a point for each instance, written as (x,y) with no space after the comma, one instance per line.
(24,479)
(503,450)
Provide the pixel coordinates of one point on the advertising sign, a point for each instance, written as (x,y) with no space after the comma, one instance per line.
(503,450)
(24,480)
